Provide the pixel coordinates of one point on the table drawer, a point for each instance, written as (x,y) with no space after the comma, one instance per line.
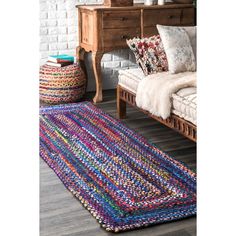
(162,17)
(117,37)
(188,16)
(121,19)
(149,31)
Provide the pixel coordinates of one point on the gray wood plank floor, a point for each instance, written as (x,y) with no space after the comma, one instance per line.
(62,215)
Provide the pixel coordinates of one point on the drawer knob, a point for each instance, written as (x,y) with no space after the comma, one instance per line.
(170,17)
(124,36)
(123,18)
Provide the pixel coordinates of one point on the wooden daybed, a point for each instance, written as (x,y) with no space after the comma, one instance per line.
(174,122)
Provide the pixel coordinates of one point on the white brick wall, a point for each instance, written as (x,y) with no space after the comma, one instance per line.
(59,34)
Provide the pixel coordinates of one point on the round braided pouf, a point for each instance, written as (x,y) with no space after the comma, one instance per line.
(61,84)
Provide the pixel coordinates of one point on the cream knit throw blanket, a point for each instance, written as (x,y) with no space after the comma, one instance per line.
(154,92)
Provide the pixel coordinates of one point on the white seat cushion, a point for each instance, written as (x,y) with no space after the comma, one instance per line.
(185,104)
(130,78)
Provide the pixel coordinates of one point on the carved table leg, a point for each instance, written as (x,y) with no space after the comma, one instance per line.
(80,57)
(96,60)
(80,52)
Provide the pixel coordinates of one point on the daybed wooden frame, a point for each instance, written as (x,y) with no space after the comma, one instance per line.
(174,122)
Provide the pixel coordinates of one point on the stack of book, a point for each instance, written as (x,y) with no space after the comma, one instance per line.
(60,60)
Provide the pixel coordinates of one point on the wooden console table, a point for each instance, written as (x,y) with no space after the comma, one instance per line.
(103,29)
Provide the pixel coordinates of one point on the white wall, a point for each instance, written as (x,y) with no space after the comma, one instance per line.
(59,34)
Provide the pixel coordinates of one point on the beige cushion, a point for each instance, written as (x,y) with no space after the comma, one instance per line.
(178,48)
(130,78)
(185,104)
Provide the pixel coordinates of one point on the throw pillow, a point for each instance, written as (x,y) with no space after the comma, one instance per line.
(149,54)
(178,48)
(192,34)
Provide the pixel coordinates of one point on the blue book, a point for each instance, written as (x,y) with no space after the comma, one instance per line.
(60,58)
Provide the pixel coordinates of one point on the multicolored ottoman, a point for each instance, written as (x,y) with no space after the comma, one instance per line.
(61,84)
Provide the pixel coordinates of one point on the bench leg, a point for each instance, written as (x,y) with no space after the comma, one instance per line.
(121,105)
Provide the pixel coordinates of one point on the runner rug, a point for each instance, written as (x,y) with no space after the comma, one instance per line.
(123,180)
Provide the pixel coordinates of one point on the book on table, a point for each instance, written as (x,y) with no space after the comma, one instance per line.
(61,58)
(59,64)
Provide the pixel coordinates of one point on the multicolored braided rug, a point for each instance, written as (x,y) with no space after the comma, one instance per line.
(122,179)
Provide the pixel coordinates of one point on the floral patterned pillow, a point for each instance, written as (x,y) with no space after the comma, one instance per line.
(178,48)
(149,54)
